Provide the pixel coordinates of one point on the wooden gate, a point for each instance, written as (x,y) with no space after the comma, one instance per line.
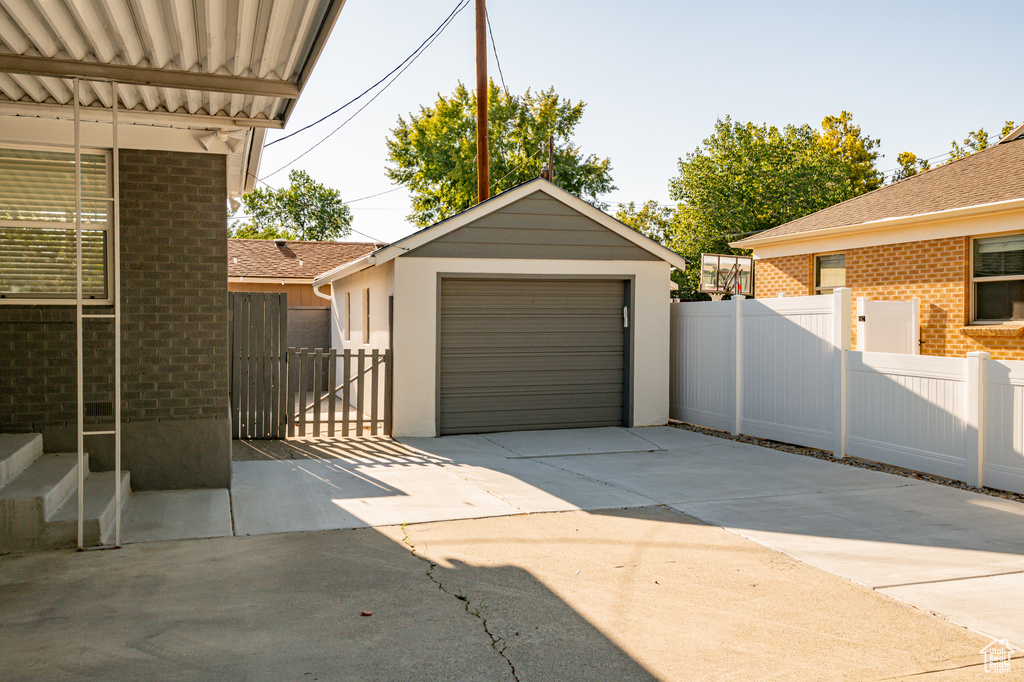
(259,353)
(355,401)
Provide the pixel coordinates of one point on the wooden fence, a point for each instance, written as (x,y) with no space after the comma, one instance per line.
(259,348)
(359,402)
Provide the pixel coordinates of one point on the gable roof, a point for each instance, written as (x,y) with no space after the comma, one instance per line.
(988,178)
(295,260)
(492,205)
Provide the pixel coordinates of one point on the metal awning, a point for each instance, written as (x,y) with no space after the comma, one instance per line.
(243,62)
(202,64)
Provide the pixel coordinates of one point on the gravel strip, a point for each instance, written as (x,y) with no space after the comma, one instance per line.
(849,461)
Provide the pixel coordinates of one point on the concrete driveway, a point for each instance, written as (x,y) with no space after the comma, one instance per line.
(468,578)
(631,594)
(947,551)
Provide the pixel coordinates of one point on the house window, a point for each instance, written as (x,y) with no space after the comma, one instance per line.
(998,279)
(829,272)
(348,316)
(37,226)
(366,315)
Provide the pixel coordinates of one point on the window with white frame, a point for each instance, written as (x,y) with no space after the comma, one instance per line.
(37,225)
(348,316)
(366,315)
(829,272)
(997,279)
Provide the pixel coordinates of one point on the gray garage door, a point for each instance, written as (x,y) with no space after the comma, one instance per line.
(524,354)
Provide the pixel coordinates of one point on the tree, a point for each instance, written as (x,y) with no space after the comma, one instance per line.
(651,220)
(842,138)
(1008,127)
(909,165)
(746,178)
(433,152)
(975,141)
(304,210)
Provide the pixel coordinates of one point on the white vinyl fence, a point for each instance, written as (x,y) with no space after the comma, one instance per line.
(782,369)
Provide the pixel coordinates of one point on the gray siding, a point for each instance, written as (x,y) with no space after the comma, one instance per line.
(536,226)
(174,334)
(530,354)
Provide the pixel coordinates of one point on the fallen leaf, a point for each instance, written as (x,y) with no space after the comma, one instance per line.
(366,613)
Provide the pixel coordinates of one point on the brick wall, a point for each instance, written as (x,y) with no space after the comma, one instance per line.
(936,271)
(174,312)
(174,264)
(789,275)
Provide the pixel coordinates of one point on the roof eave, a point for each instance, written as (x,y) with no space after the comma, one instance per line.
(425,236)
(881,224)
(345,270)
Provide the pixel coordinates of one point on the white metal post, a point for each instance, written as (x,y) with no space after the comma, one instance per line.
(974,418)
(738,349)
(841,340)
(115,195)
(78,320)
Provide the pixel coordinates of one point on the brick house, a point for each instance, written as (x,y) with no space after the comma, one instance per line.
(289,266)
(163,119)
(952,236)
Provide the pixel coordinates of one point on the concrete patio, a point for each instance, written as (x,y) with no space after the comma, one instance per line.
(947,551)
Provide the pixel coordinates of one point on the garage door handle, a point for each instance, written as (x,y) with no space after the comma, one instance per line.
(625,317)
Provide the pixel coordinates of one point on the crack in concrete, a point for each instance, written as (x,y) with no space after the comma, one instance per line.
(499,644)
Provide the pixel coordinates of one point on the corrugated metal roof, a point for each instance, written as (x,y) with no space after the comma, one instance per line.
(241,62)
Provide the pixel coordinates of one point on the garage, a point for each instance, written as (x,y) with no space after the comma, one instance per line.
(532,310)
(525,354)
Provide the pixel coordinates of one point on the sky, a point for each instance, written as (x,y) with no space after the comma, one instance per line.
(655,76)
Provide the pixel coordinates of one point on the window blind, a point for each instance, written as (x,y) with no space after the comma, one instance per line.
(999,256)
(37,224)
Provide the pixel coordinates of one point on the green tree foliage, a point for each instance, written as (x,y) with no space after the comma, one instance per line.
(655,221)
(651,220)
(305,209)
(746,178)
(841,137)
(1008,128)
(909,165)
(433,152)
(975,141)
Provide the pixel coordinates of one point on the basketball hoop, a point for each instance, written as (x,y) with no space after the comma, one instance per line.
(722,275)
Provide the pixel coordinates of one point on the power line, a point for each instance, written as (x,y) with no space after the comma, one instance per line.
(378,194)
(527,159)
(459,8)
(389,74)
(494,48)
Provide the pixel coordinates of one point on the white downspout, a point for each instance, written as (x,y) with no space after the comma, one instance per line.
(316,290)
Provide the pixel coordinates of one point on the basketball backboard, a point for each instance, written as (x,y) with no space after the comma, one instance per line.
(724,274)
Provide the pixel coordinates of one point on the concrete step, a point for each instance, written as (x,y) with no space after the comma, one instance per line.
(28,500)
(100,512)
(17,452)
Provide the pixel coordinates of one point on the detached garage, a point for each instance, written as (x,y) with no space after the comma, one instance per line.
(532,310)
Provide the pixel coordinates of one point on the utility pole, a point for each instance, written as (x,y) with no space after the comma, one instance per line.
(551,158)
(482,161)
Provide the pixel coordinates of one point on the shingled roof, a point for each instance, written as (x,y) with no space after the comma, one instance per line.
(293,260)
(989,176)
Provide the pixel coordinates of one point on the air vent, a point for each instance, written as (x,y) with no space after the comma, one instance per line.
(99,409)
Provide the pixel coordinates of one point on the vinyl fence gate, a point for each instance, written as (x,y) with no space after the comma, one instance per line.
(281,392)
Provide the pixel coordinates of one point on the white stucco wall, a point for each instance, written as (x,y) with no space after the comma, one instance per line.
(415,342)
(380,281)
